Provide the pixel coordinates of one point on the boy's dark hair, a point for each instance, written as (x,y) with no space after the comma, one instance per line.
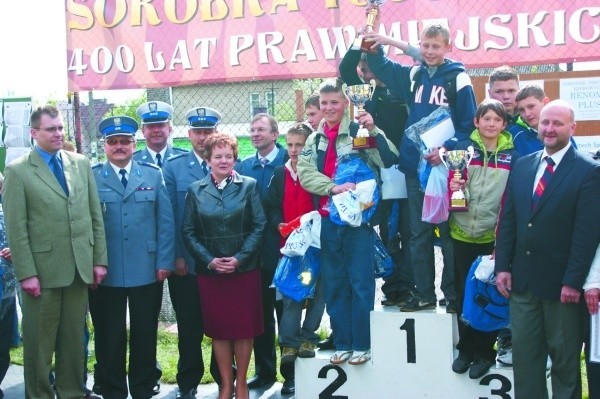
(531,91)
(48,109)
(312,101)
(436,30)
(491,105)
(503,73)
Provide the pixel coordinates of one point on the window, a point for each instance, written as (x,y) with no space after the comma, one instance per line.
(270,99)
(254,103)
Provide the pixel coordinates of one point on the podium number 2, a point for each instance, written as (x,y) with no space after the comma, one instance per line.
(411,347)
(327,393)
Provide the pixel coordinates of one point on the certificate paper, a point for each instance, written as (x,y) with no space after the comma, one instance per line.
(595,338)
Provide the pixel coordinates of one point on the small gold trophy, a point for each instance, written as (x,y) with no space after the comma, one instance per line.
(358,95)
(458,161)
(359,43)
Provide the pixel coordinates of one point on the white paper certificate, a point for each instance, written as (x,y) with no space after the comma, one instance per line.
(595,338)
(437,135)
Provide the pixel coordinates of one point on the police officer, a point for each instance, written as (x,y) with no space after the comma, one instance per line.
(140,229)
(155,117)
(180,171)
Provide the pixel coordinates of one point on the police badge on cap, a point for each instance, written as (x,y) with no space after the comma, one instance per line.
(118,125)
(203,118)
(154,112)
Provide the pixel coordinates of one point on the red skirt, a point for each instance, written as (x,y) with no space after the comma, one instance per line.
(231,305)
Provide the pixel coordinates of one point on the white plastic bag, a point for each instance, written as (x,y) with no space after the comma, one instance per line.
(436,201)
(350,204)
(306,235)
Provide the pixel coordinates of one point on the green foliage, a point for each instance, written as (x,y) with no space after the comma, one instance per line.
(127,109)
(285,112)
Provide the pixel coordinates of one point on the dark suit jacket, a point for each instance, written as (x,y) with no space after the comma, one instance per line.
(554,244)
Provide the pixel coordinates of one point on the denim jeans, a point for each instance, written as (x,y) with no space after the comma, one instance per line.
(291,330)
(402,278)
(421,248)
(347,255)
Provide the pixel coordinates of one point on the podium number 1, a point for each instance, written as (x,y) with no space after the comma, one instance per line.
(411,347)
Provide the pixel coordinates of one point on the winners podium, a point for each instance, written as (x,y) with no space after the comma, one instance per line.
(412,355)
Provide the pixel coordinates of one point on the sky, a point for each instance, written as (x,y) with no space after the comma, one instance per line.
(33,35)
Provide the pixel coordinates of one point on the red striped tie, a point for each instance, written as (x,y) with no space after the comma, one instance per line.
(543,182)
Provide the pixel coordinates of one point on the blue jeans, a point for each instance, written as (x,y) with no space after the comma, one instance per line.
(347,272)
(421,248)
(291,332)
(402,278)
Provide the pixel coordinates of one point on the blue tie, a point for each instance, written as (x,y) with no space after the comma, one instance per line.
(123,172)
(158,160)
(204,168)
(58,173)
(543,182)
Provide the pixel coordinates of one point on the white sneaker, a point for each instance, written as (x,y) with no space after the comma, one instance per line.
(505,357)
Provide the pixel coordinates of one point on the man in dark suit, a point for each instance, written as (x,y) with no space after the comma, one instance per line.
(56,236)
(547,236)
(264,131)
(180,171)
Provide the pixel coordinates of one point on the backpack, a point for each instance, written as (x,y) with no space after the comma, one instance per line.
(449,84)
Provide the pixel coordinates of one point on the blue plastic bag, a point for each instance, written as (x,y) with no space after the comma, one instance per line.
(484,308)
(383,263)
(352,168)
(296,277)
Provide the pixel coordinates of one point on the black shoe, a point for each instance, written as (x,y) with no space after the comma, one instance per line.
(462,363)
(415,304)
(97,389)
(479,368)
(288,388)
(186,393)
(391,299)
(326,344)
(451,306)
(156,388)
(404,297)
(442,302)
(257,382)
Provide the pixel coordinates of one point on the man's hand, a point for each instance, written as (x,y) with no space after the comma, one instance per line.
(504,283)
(569,295)
(592,296)
(433,157)
(340,188)
(365,119)
(31,286)
(162,274)
(181,268)
(99,273)
(5,253)
(375,40)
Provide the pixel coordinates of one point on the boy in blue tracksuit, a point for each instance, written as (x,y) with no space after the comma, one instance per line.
(425,88)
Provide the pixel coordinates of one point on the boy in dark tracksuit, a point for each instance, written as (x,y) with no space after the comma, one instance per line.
(429,92)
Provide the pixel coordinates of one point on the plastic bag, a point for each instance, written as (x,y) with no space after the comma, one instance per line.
(383,263)
(484,308)
(350,204)
(352,168)
(296,276)
(306,235)
(436,201)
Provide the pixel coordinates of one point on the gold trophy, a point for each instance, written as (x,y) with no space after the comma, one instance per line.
(359,42)
(458,161)
(359,95)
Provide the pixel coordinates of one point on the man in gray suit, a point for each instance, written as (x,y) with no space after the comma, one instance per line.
(180,171)
(56,236)
(155,117)
(140,227)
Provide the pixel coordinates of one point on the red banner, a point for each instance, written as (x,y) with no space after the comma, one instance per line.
(118,44)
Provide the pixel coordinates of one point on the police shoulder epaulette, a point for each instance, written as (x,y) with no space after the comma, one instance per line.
(180,150)
(152,165)
(176,156)
(97,165)
(137,152)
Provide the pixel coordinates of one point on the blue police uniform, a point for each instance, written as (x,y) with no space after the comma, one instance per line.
(140,229)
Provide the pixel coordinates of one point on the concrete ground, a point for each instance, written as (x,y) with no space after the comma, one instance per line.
(14,388)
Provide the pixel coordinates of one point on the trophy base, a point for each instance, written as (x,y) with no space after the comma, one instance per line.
(458,205)
(360,143)
(360,44)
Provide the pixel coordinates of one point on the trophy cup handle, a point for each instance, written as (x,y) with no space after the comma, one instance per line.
(442,155)
(471,152)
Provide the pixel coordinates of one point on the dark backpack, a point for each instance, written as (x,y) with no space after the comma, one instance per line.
(449,85)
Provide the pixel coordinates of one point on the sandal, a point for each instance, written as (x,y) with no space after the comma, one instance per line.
(340,357)
(360,357)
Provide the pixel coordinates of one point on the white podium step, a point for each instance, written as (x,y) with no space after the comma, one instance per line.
(412,355)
